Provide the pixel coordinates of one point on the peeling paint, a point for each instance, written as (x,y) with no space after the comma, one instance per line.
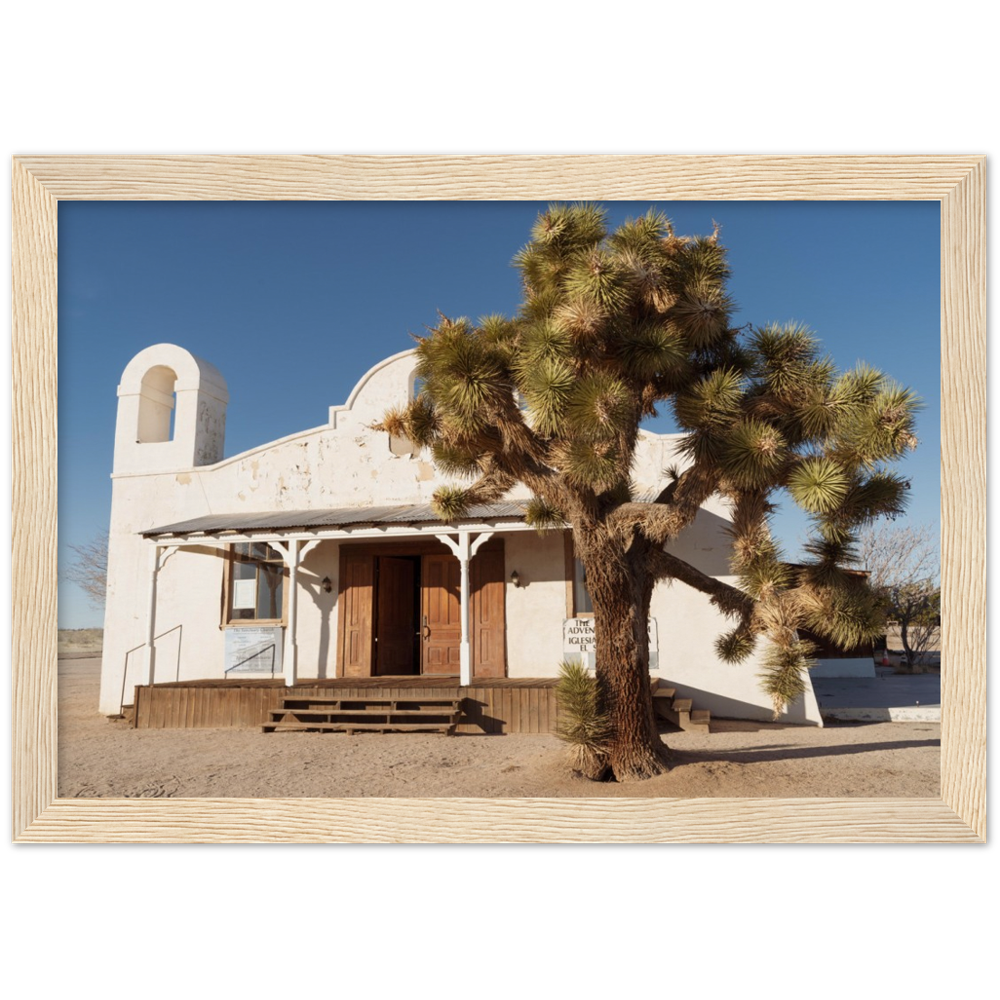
(184,479)
(425,471)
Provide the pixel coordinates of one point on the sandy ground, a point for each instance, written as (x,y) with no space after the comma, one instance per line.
(102,758)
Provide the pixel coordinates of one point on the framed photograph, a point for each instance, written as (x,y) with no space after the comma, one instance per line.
(258,580)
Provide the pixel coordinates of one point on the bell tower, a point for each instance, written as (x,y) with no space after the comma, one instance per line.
(171,412)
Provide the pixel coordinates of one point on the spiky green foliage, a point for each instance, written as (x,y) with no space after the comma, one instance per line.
(849,614)
(783,674)
(753,454)
(735,646)
(714,402)
(819,485)
(597,406)
(542,515)
(615,325)
(650,349)
(546,387)
(455,459)
(580,724)
(451,502)
(765,573)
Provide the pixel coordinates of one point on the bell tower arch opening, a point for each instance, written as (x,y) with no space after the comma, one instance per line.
(157,406)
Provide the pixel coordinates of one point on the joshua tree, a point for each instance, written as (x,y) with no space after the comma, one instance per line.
(613,326)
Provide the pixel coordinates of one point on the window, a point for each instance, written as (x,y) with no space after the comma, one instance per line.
(403,447)
(582,604)
(256,591)
(578,602)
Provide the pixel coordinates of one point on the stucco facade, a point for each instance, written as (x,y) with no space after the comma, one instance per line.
(319,498)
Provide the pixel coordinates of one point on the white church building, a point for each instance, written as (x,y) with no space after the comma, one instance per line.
(317,557)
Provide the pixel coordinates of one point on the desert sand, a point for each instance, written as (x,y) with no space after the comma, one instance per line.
(103,758)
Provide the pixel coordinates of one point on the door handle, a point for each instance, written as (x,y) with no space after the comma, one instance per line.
(427,632)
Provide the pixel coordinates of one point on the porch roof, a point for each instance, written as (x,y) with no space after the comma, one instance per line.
(402,516)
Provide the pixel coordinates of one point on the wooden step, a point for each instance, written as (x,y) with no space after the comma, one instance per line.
(664,692)
(360,727)
(383,710)
(334,715)
(411,714)
(365,704)
(680,713)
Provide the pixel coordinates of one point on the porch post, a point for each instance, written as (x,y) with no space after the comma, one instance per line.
(291,641)
(464,551)
(464,649)
(154,566)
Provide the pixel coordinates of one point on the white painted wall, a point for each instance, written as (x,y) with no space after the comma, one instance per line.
(688,626)
(535,609)
(346,463)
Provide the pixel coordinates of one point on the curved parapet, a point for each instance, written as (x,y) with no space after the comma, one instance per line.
(389,383)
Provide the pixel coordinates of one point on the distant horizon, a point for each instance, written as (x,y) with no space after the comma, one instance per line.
(294,301)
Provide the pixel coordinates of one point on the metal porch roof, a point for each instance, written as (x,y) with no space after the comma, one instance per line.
(336,517)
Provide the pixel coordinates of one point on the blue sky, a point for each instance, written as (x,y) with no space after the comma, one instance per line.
(294,301)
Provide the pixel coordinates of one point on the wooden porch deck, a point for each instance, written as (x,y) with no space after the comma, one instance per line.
(494,706)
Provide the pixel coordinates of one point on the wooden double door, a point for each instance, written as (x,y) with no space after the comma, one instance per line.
(400,611)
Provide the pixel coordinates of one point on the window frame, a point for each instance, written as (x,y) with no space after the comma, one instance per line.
(570,573)
(229,577)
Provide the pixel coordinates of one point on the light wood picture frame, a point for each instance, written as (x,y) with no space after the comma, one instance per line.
(956,182)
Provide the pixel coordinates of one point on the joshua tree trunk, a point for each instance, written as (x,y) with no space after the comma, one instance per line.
(620,594)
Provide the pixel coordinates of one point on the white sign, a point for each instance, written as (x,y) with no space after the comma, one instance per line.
(254,651)
(580,642)
(244,594)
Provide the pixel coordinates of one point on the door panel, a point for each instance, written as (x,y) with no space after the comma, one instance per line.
(396,624)
(355,611)
(489,636)
(441,614)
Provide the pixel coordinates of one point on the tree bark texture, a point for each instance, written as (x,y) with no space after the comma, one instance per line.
(620,588)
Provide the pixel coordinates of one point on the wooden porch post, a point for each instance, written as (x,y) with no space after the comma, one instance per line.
(292,556)
(464,552)
(154,567)
(291,640)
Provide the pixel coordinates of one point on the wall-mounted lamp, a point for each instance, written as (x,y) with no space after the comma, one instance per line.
(327,585)
(515,578)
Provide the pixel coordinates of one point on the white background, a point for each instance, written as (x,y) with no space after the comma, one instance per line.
(652,75)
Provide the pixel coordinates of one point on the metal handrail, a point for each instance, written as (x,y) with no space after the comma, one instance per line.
(121,706)
(260,652)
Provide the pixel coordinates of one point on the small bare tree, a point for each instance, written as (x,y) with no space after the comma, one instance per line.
(904,567)
(89,569)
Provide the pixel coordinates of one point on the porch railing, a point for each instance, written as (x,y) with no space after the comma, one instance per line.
(142,645)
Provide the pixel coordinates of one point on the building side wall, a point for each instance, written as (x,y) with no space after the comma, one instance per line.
(688,625)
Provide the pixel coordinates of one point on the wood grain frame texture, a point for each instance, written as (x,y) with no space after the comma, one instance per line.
(957,182)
